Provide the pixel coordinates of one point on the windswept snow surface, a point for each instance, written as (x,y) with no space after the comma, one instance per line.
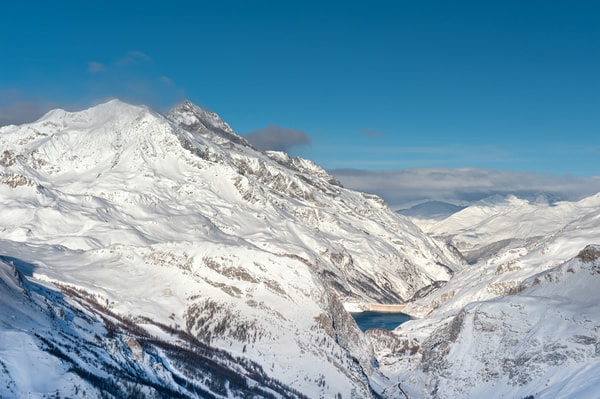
(167,225)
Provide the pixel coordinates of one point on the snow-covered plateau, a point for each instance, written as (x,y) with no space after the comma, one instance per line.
(150,255)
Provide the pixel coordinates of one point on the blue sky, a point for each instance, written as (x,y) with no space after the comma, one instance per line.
(376,85)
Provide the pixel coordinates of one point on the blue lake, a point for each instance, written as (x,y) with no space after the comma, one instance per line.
(387,321)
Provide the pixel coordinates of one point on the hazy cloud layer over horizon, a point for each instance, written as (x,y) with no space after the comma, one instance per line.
(277,138)
(402,188)
(17,108)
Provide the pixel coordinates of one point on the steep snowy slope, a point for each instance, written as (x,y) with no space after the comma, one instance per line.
(178,221)
(65,342)
(541,342)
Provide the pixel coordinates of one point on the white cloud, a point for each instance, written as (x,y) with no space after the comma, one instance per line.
(402,187)
(133,57)
(167,81)
(95,67)
(133,77)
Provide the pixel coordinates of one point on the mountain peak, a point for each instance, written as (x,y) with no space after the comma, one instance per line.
(205,122)
(98,113)
(89,142)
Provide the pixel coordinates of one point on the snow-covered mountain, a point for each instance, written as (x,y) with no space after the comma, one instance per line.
(494,223)
(150,255)
(521,322)
(147,254)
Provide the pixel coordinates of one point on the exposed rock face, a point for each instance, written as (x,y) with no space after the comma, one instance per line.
(206,123)
(589,254)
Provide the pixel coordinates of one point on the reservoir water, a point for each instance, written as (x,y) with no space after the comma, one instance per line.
(387,321)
